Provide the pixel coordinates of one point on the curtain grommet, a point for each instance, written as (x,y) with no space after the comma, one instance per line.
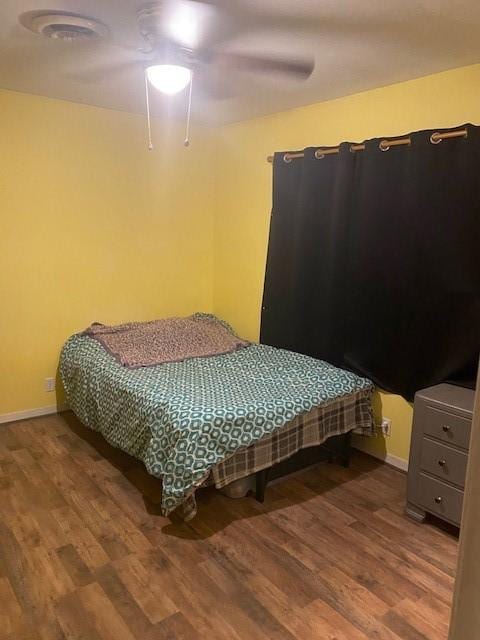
(319,155)
(436,138)
(383,145)
(287,158)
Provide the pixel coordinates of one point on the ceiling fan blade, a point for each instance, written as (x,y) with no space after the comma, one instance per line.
(211,82)
(102,71)
(301,69)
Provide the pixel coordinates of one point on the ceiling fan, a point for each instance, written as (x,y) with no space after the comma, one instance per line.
(189,34)
(182,39)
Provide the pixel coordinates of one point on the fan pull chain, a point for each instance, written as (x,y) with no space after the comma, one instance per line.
(189,113)
(149,125)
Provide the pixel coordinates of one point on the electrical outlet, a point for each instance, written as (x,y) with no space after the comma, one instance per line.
(386,427)
(49,384)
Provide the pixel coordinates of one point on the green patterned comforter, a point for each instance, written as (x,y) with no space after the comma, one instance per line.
(183,418)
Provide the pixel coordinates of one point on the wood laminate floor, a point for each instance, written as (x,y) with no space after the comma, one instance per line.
(85,554)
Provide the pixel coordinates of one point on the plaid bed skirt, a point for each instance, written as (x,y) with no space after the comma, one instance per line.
(349,413)
(353,412)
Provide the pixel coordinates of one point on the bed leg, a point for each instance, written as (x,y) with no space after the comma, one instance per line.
(346,450)
(261,481)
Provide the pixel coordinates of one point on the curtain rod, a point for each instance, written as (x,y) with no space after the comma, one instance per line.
(384,145)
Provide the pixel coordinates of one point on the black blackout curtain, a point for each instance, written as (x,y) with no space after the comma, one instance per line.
(374,260)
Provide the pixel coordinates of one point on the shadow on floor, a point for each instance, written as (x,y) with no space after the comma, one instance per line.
(216,511)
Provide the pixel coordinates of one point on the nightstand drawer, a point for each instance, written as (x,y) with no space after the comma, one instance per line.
(439,498)
(444,462)
(448,427)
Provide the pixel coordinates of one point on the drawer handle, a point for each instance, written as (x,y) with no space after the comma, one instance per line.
(438,499)
(446,428)
(442,463)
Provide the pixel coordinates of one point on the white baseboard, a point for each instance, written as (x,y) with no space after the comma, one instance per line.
(31,413)
(394,461)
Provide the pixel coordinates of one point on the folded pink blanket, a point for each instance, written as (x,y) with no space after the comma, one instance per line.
(144,344)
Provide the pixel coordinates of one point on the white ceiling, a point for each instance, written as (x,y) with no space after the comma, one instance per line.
(357,45)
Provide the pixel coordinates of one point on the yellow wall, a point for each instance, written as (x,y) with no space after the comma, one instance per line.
(93,227)
(243,188)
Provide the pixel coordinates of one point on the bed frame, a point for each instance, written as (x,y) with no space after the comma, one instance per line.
(336,448)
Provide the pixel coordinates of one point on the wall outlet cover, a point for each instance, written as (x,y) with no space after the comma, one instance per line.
(386,426)
(49,384)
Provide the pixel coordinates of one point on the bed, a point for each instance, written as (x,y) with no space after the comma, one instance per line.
(213,419)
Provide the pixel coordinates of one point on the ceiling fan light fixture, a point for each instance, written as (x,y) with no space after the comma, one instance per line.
(169,78)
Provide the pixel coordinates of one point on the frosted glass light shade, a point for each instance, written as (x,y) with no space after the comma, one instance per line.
(169,78)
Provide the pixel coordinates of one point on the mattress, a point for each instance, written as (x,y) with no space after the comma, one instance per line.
(183,419)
